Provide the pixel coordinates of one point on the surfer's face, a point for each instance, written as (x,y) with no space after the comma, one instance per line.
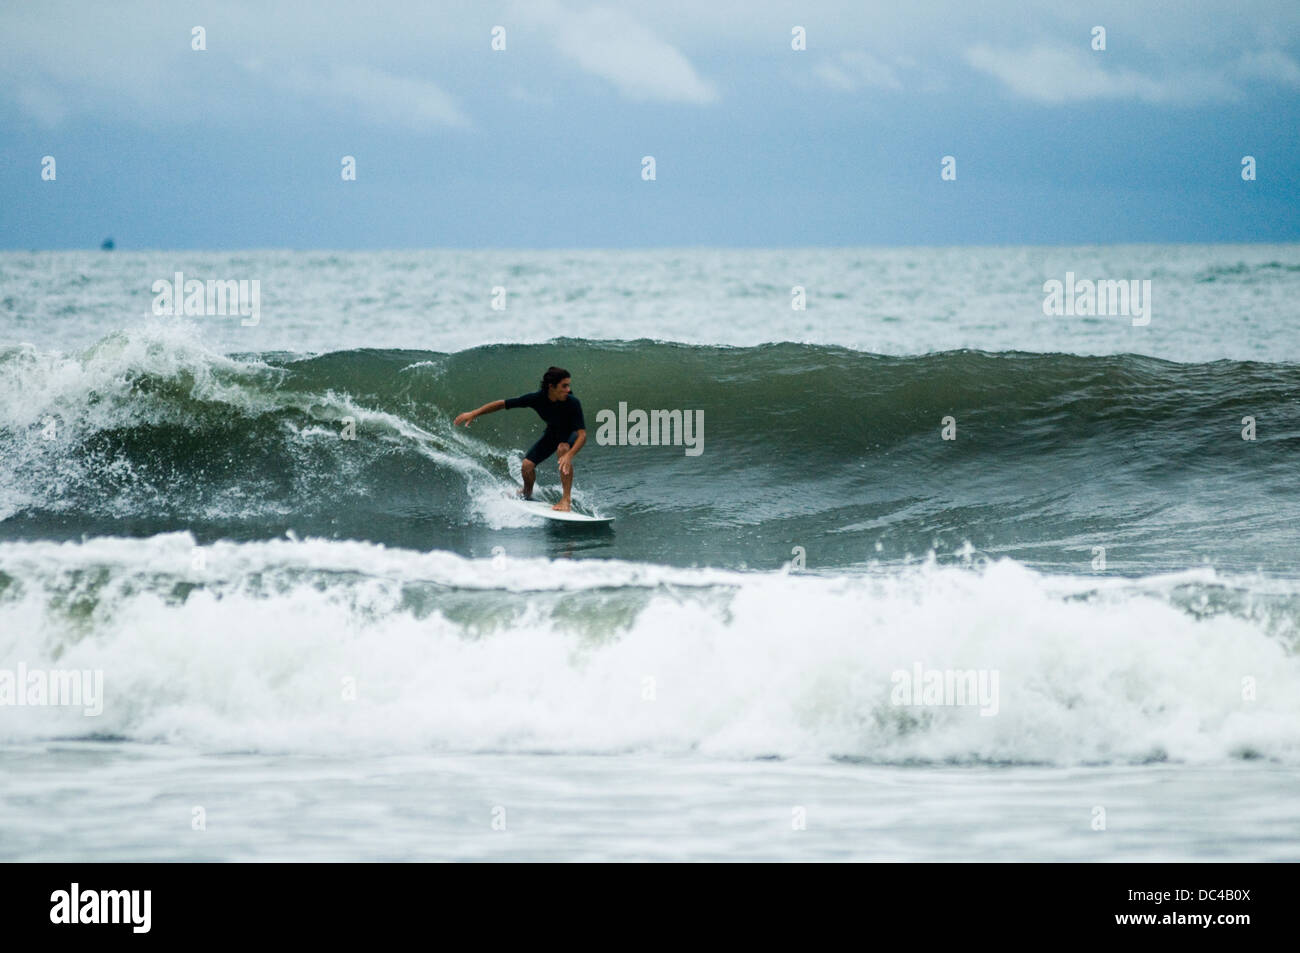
(561,390)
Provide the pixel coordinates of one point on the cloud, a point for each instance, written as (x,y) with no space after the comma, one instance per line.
(1053,74)
(136,64)
(532,97)
(41,103)
(1271,65)
(610,44)
(851,70)
(382,97)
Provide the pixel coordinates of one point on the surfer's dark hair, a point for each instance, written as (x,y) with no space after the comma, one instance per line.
(552,377)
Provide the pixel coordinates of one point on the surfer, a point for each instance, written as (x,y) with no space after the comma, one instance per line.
(565,429)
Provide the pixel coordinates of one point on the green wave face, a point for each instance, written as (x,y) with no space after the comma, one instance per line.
(852,456)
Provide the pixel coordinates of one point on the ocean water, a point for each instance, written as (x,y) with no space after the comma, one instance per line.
(324,632)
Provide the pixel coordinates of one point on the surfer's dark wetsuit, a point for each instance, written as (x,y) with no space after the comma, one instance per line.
(563,421)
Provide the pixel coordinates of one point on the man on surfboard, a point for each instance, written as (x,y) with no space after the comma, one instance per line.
(565,429)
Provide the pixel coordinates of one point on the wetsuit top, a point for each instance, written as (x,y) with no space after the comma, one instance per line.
(562,417)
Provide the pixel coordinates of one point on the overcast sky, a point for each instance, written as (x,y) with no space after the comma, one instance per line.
(541,145)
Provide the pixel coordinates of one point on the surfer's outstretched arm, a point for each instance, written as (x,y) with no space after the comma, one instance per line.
(469,415)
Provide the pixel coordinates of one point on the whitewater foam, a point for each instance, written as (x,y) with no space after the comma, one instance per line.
(254,646)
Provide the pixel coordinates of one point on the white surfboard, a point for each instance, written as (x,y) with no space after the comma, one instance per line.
(538,508)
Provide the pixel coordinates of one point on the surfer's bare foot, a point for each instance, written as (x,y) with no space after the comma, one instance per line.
(563,506)
(522,495)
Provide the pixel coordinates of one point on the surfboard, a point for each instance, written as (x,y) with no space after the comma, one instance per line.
(538,508)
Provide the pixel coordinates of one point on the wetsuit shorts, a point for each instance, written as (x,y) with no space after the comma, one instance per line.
(546,444)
